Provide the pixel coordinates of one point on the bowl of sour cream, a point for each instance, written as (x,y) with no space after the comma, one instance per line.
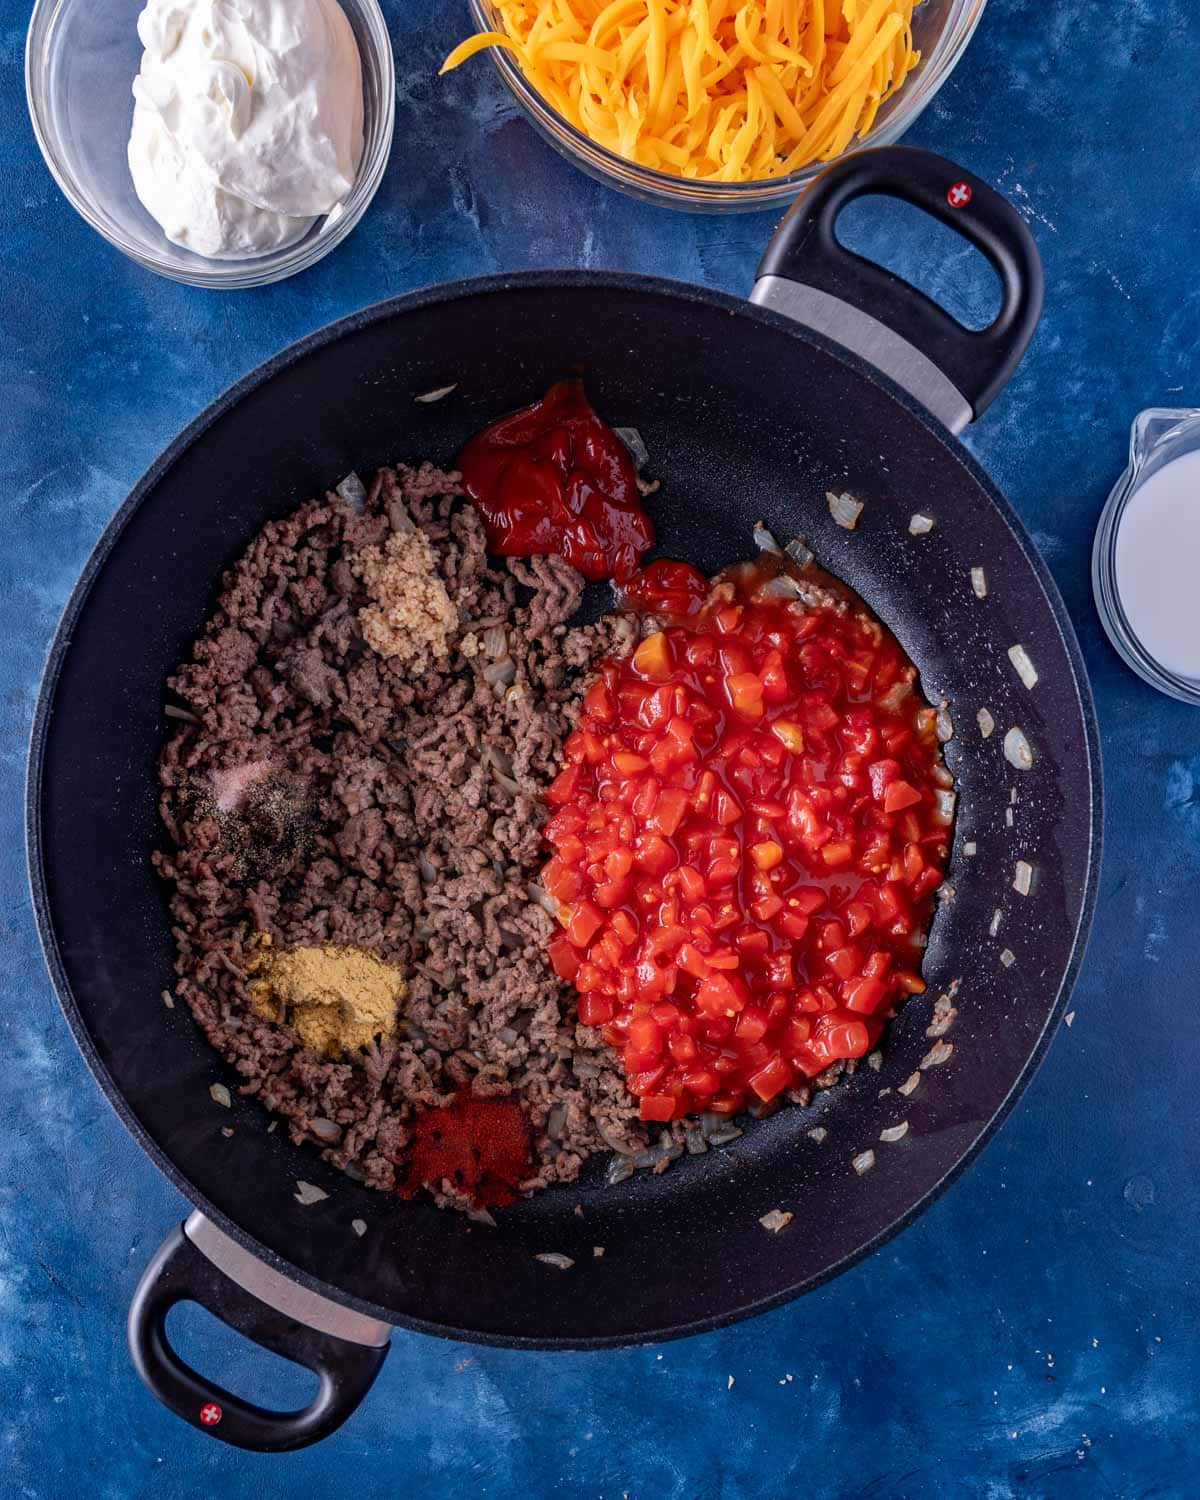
(223,143)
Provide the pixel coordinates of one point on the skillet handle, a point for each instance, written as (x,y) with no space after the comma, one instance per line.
(809,276)
(197,1262)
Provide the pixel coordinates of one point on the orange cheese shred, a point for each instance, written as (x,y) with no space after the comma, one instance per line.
(714,90)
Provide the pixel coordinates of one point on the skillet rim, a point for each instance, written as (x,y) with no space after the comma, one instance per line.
(109,538)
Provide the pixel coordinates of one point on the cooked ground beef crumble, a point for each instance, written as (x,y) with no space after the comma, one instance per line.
(330,795)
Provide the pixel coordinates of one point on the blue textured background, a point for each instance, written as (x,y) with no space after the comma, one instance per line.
(1035,1333)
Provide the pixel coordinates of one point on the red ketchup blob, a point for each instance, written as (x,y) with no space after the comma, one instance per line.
(674,590)
(482,1145)
(554,479)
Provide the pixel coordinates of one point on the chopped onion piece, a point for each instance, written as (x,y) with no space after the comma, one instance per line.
(597,1252)
(799,551)
(997,918)
(359,1226)
(970,848)
(782,586)
(430,397)
(553,1258)
(844,509)
(776,1220)
(818,1134)
(1026,671)
(1023,877)
(220,1095)
(875,1061)
(353,491)
(910,1085)
(1008,817)
(764,538)
(306,1193)
(986,723)
(1008,958)
(979,583)
(944,725)
(939,1053)
(540,896)
(1017,750)
(481,1216)
(892,699)
(945,807)
(168,999)
(633,440)
(894,1132)
(179,713)
(919,525)
(863,1162)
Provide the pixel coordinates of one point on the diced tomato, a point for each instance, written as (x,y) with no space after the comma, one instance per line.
(751,1025)
(771,1079)
(788,734)
(899,796)
(595,1009)
(584,920)
(652,659)
(669,812)
(682,1047)
(865,995)
(597,703)
(744,847)
(564,958)
(645,1036)
(564,786)
(656,1107)
(746,694)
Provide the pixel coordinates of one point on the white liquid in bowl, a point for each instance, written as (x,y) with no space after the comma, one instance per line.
(1157,564)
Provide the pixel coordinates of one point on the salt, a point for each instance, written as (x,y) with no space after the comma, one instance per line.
(1156,557)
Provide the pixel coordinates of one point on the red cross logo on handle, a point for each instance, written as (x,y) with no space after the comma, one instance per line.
(210,1414)
(958,195)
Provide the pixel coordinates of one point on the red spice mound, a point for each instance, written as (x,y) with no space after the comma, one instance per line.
(482,1146)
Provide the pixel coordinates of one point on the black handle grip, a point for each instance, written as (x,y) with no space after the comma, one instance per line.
(806,250)
(179,1272)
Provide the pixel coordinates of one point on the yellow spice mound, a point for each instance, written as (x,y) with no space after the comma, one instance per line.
(335,999)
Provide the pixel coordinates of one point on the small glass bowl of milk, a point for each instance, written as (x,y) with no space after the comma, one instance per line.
(1146,558)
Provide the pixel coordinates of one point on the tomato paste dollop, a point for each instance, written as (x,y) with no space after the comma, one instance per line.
(553,479)
(748,833)
(482,1146)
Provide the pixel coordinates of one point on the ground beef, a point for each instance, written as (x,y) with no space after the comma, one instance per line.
(326,794)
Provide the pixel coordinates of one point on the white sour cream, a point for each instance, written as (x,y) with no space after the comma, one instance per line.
(247,120)
(1157,564)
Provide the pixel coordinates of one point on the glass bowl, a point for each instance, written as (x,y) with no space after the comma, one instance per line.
(81,57)
(1159,435)
(941,31)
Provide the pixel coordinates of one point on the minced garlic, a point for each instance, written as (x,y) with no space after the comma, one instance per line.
(413,615)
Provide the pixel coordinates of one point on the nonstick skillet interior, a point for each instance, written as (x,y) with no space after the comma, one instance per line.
(744,416)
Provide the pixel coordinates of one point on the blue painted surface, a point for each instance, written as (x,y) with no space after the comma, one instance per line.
(1035,1333)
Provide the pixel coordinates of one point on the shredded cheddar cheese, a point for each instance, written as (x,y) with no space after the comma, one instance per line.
(710,89)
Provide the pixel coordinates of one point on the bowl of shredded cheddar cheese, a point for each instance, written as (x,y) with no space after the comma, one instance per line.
(713,105)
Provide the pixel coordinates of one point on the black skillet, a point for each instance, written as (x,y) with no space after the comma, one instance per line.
(746,413)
